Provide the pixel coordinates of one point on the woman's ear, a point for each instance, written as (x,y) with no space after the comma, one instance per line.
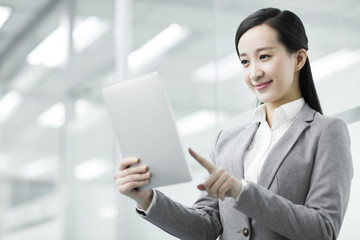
(301,57)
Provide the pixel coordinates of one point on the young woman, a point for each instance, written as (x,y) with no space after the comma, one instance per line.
(286,175)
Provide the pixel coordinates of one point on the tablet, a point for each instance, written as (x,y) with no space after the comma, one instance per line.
(145,127)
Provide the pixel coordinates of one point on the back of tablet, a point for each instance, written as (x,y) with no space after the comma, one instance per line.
(144,125)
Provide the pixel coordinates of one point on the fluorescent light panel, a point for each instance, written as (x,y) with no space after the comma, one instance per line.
(87,114)
(196,122)
(4,162)
(5,13)
(9,103)
(87,32)
(40,167)
(83,108)
(334,62)
(91,169)
(52,51)
(54,117)
(108,213)
(157,46)
(222,69)
(28,77)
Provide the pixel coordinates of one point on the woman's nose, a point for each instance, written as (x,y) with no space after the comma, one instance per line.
(256,73)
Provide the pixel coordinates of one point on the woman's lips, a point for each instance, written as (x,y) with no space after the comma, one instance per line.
(262,86)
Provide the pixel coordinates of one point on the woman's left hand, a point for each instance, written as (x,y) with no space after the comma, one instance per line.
(220,183)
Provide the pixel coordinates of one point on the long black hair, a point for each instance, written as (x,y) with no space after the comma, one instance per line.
(291,33)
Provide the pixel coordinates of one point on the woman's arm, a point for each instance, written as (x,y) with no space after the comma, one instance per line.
(200,222)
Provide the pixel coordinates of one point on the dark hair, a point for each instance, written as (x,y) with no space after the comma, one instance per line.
(291,33)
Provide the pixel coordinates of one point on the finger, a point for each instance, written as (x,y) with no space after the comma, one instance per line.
(131,170)
(133,178)
(201,187)
(127,162)
(225,189)
(203,162)
(214,177)
(215,189)
(128,187)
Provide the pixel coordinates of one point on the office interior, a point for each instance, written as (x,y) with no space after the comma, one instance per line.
(58,152)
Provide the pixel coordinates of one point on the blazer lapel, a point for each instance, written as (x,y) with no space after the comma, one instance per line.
(243,141)
(279,151)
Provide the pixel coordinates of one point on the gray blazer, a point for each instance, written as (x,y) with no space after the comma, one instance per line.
(302,191)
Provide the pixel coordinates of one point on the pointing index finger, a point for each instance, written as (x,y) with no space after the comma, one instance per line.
(203,162)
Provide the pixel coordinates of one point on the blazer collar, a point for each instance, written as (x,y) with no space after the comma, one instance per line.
(279,151)
(243,141)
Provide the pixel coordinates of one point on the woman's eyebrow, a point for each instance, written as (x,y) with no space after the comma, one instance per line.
(257,50)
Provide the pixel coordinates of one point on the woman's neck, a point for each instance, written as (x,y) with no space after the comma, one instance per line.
(270,109)
(269,114)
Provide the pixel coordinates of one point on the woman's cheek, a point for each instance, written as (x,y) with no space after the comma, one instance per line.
(246,77)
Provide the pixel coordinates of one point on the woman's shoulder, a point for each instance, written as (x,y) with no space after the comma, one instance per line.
(233,132)
(319,121)
(327,122)
(229,137)
(329,127)
(239,128)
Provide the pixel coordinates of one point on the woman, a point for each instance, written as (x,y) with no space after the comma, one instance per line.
(285,176)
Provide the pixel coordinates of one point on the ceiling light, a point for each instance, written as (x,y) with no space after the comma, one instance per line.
(4,162)
(91,169)
(334,62)
(5,13)
(54,117)
(28,77)
(222,69)
(82,108)
(87,115)
(157,46)
(109,213)
(87,32)
(39,167)
(9,103)
(196,122)
(52,51)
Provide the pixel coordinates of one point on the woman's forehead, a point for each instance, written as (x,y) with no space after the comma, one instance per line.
(261,36)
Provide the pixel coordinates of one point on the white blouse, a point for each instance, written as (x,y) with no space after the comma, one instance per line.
(266,137)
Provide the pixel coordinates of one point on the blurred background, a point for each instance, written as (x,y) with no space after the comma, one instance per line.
(57,148)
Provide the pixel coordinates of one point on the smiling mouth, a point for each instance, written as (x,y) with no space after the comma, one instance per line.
(262,86)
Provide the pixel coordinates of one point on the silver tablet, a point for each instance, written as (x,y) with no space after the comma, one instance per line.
(144,125)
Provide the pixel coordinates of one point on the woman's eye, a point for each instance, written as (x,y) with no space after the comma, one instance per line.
(244,62)
(264,57)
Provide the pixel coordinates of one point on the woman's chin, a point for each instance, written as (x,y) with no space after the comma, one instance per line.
(264,99)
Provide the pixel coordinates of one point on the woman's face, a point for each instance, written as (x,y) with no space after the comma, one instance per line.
(269,69)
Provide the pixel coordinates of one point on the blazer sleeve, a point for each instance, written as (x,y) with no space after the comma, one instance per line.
(201,221)
(322,214)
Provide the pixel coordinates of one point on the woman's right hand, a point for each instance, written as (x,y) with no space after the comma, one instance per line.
(129,178)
